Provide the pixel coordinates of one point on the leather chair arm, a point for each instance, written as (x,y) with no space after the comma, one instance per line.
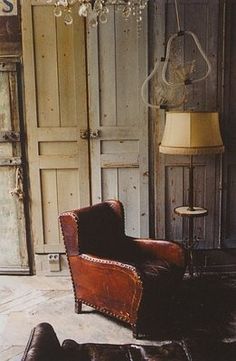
(69,228)
(97,279)
(152,249)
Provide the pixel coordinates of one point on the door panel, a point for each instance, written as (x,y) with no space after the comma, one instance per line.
(117,62)
(56,110)
(13,244)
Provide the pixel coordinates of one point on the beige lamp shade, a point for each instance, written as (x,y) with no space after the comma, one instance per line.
(191,133)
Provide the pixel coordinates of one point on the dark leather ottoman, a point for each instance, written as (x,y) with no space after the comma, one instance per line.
(43,345)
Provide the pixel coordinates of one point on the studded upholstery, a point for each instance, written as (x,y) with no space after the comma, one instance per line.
(121,276)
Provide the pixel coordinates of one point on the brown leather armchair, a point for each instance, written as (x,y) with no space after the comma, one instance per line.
(121,276)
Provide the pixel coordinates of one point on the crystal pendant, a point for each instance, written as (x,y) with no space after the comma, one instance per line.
(57,11)
(103,18)
(126,11)
(105,9)
(62,3)
(84,9)
(93,22)
(68,20)
(98,6)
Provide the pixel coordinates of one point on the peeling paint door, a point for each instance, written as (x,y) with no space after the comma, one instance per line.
(13,246)
(56,111)
(117,67)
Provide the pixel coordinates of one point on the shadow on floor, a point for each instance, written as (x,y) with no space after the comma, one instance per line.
(201,308)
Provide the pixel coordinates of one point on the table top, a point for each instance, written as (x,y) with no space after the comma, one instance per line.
(196,212)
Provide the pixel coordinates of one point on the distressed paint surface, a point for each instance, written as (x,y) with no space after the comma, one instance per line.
(58,157)
(171,172)
(10,34)
(117,61)
(229,130)
(13,255)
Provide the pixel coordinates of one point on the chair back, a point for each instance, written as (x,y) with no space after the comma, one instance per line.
(101,229)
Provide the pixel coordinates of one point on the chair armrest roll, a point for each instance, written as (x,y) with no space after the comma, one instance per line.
(154,249)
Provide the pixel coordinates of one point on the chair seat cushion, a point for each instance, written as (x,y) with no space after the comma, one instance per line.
(154,269)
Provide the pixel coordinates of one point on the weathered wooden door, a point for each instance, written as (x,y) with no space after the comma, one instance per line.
(13,245)
(56,111)
(117,66)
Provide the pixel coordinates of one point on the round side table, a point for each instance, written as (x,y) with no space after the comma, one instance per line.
(185,211)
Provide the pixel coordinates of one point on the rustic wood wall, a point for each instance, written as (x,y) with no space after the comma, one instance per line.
(170,177)
(229,128)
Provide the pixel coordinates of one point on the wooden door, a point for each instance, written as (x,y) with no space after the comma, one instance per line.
(117,66)
(13,243)
(171,175)
(56,111)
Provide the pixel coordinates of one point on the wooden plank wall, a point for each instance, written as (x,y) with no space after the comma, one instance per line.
(229,129)
(117,57)
(171,172)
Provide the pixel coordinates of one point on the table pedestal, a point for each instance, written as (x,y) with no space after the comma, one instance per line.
(186,211)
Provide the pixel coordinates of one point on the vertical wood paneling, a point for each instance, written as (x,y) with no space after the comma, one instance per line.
(109,184)
(231,221)
(229,125)
(117,62)
(229,128)
(46,67)
(174,194)
(107,71)
(13,256)
(66,73)
(56,112)
(129,192)
(67,191)
(126,71)
(200,17)
(49,203)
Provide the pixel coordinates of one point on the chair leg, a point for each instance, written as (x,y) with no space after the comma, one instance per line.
(78,306)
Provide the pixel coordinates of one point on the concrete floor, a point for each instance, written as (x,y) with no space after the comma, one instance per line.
(26,301)
(205,310)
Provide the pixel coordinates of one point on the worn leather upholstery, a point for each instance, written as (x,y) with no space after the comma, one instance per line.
(124,277)
(43,345)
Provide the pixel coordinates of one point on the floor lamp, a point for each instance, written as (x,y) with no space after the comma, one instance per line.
(191,133)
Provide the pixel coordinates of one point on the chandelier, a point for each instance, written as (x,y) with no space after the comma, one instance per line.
(97,10)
